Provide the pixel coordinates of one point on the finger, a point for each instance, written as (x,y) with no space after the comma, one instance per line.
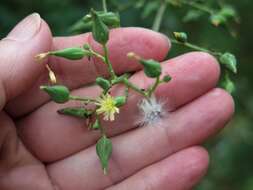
(18,168)
(132,151)
(74,74)
(180,171)
(18,71)
(44,131)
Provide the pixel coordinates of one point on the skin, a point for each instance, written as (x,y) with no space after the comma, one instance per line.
(42,150)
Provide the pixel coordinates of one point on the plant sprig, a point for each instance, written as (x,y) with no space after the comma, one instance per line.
(105,104)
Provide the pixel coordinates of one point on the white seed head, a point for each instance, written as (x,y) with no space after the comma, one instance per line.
(152,112)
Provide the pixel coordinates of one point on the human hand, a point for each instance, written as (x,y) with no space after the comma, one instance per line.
(52,151)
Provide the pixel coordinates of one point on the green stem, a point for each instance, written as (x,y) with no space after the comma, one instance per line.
(97,55)
(195,47)
(159,16)
(134,87)
(198,6)
(153,87)
(86,100)
(108,63)
(104,5)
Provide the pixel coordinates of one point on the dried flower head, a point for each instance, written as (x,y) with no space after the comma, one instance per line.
(152,111)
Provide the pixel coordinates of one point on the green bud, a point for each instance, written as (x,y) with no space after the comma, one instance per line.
(59,94)
(100,31)
(96,125)
(227,84)
(71,53)
(76,112)
(104,151)
(120,101)
(181,36)
(86,46)
(152,68)
(166,78)
(218,19)
(229,60)
(103,83)
(110,19)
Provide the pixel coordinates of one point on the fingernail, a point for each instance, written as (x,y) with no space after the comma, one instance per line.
(25,29)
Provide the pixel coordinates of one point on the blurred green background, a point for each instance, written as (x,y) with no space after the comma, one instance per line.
(231,151)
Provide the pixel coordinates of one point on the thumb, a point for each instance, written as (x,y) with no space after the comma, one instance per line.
(18,70)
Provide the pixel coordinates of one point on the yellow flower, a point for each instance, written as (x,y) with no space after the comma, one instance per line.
(107,107)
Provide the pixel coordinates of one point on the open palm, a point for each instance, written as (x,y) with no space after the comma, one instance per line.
(58,152)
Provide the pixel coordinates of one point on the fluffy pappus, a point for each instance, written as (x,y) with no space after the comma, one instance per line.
(152,111)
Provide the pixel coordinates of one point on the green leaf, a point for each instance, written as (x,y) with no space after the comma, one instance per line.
(75,53)
(58,93)
(103,83)
(100,31)
(228,12)
(227,84)
(149,8)
(104,151)
(76,112)
(120,101)
(192,15)
(152,68)
(229,60)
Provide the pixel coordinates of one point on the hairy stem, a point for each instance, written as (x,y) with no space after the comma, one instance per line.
(198,6)
(153,87)
(86,100)
(134,87)
(108,63)
(195,47)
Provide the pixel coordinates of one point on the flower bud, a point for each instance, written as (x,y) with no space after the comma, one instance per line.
(71,53)
(226,83)
(96,125)
(152,68)
(100,31)
(229,60)
(166,78)
(103,83)
(110,19)
(218,19)
(181,36)
(120,101)
(59,94)
(76,112)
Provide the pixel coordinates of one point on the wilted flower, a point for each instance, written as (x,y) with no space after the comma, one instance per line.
(152,111)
